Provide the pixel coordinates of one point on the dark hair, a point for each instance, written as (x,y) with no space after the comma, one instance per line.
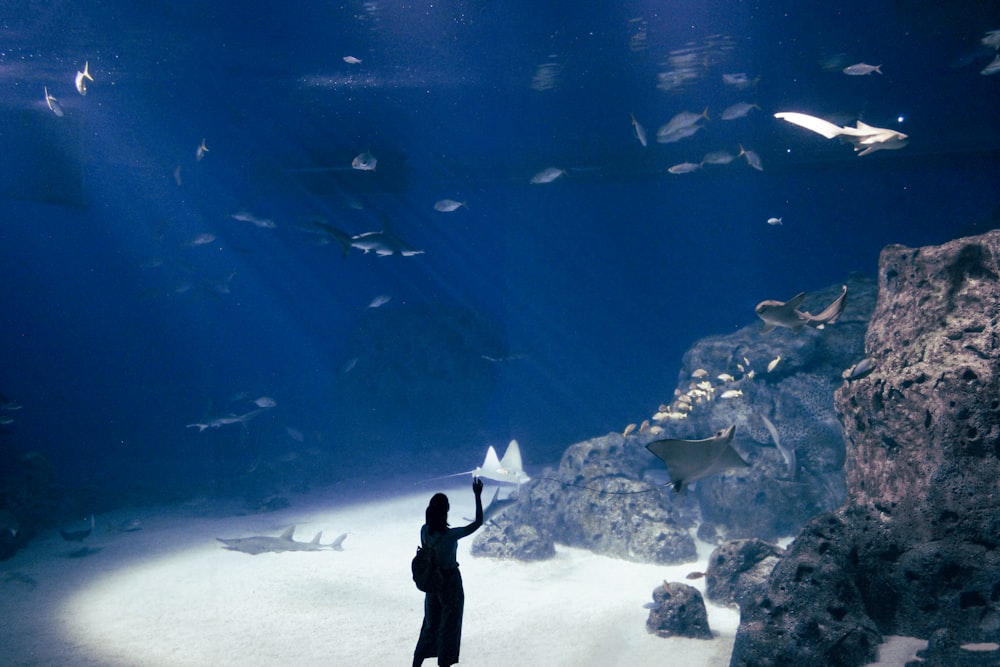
(436,515)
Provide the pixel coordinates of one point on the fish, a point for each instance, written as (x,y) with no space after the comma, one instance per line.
(448,205)
(752,158)
(5,420)
(718,157)
(786,313)
(699,373)
(383,243)
(861,69)
(262,544)
(201,152)
(738,80)
(202,239)
(859,370)
(992,68)
(496,505)
(227,420)
(53,103)
(82,77)
(638,130)
(246,216)
(506,470)
(629,429)
(725,377)
(771,365)
(787,453)
(684,168)
(351,60)
(731,393)
(866,139)
(690,460)
(738,110)
(265,402)
(682,120)
(364,162)
(991,39)
(774,221)
(380,300)
(547,175)
(341,237)
(676,135)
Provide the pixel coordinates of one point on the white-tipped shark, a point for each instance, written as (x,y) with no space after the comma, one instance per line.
(866,139)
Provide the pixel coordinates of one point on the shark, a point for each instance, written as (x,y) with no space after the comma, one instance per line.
(341,237)
(262,544)
(787,314)
(225,421)
(496,506)
(383,243)
(690,460)
(866,138)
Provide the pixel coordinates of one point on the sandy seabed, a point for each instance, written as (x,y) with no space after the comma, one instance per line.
(169,594)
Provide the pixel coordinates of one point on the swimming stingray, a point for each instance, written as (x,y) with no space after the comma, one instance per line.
(786,314)
(507,470)
(690,460)
(866,139)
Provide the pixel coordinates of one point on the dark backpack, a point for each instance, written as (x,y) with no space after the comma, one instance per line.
(426,573)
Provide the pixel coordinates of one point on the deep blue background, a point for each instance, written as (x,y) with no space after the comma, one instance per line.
(116,332)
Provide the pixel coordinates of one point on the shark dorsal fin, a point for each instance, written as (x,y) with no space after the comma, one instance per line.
(796,300)
(287,535)
(315,540)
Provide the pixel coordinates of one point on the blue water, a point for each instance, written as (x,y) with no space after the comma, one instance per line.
(118,332)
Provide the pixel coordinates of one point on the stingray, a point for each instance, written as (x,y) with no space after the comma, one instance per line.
(690,460)
(866,139)
(506,470)
(787,314)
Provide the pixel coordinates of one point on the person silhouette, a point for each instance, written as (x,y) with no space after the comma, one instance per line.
(441,632)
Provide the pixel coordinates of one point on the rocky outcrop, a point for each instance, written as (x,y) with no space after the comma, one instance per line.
(914,550)
(596,500)
(678,610)
(785,486)
(737,570)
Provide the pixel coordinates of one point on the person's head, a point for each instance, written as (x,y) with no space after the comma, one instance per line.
(436,515)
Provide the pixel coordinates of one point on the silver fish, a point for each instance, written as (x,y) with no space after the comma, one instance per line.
(364,162)
(774,221)
(448,205)
(639,130)
(201,151)
(682,120)
(351,60)
(245,216)
(861,69)
(752,158)
(992,68)
(684,168)
(81,79)
(677,135)
(53,103)
(718,157)
(738,110)
(547,175)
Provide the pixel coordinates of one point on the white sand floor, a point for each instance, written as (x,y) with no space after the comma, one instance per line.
(170,595)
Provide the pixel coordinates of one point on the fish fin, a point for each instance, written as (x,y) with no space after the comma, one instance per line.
(315,540)
(287,535)
(767,328)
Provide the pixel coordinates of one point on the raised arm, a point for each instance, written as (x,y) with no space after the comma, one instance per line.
(477,489)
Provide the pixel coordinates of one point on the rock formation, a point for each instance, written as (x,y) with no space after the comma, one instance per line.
(914,550)
(678,610)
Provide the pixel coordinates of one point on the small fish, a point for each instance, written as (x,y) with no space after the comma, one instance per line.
(6,419)
(81,79)
(246,216)
(992,68)
(349,366)
(639,130)
(53,103)
(861,69)
(718,157)
(726,377)
(991,39)
(265,402)
(682,120)
(738,110)
(202,239)
(628,430)
(859,370)
(694,575)
(752,158)
(380,300)
(684,168)
(774,221)
(351,60)
(448,205)
(731,393)
(699,373)
(364,162)
(738,80)
(664,137)
(771,365)
(547,175)
(201,152)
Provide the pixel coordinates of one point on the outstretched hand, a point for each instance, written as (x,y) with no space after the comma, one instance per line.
(477,486)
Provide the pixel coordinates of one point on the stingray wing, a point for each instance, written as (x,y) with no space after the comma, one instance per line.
(690,460)
(512,457)
(817,125)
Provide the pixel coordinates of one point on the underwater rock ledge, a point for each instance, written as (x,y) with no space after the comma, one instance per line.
(914,550)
